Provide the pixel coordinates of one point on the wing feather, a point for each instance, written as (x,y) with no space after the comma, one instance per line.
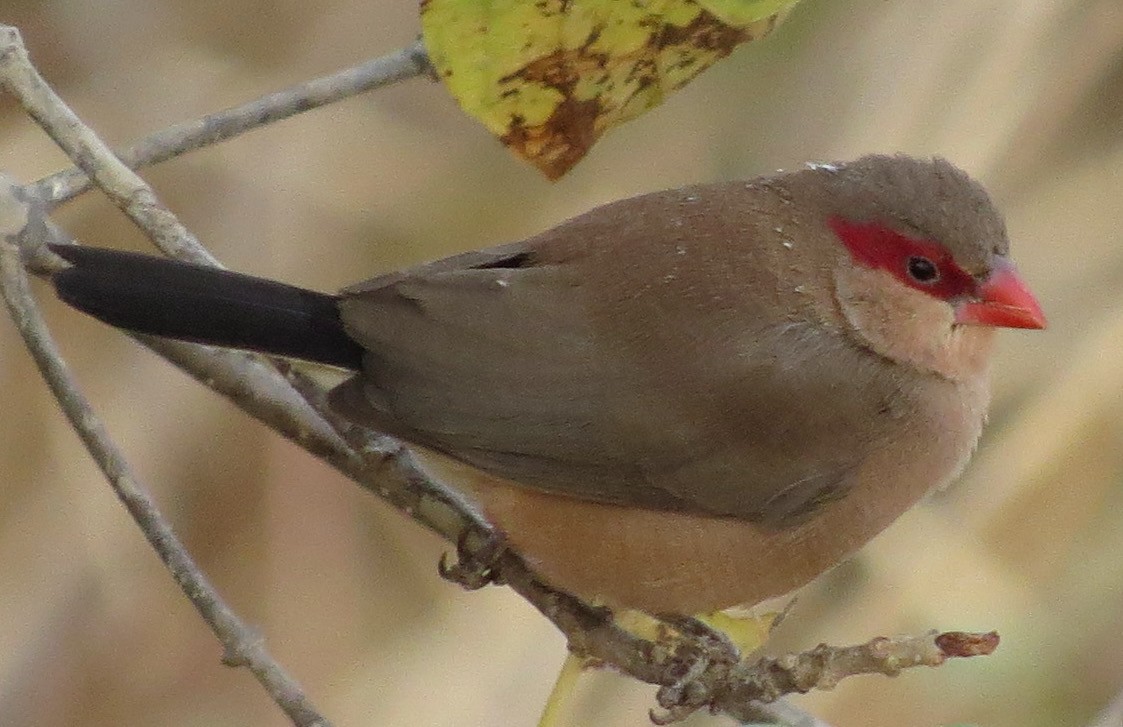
(496,361)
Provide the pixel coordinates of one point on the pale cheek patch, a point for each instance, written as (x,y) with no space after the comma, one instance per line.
(909,326)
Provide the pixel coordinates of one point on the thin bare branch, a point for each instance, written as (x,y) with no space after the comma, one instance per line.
(128,191)
(287,400)
(694,675)
(242,645)
(229,123)
(247,379)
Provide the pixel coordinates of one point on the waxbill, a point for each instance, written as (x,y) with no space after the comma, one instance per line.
(677,403)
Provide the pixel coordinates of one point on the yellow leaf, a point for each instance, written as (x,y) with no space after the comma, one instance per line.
(548,77)
(743,12)
(747,632)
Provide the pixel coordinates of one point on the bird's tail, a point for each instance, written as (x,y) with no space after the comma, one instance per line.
(173,299)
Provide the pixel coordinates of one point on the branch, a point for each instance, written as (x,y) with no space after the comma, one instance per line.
(282,400)
(243,647)
(252,382)
(695,675)
(285,399)
(737,690)
(288,402)
(218,127)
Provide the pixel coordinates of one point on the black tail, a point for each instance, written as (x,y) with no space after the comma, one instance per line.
(187,302)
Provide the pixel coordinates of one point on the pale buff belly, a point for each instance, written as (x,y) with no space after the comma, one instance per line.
(671,562)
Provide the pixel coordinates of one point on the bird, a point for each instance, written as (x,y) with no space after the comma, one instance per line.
(676,403)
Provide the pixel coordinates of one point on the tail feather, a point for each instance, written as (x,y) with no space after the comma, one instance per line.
(173,299)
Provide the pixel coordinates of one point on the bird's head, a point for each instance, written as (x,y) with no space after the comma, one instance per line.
(923,275)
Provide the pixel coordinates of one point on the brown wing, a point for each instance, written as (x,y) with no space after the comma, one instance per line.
(493,359)
(487,358)
(773,433)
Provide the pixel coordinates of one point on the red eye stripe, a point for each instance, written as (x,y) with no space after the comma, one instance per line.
(876,246)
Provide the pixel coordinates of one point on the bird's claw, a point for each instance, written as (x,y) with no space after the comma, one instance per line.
(476,556)
(686,695)
(698,646)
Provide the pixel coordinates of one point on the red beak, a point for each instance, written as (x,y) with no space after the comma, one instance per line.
(1003,300)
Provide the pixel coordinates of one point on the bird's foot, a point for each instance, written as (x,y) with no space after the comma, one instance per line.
(703,642)
(710,639)
(476,555)
(698,649)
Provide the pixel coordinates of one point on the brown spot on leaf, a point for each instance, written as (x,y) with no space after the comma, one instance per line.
(704,32)
(559,143)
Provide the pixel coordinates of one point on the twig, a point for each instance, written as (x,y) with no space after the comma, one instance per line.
(285,399)
(217,127)
(241,644)
(128,191)
(248,380)
(821,668)
(692,676)
(380,463)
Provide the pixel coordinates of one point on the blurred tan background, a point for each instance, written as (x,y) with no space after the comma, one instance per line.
(1027,94)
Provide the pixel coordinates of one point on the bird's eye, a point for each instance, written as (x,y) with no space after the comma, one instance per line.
(923,270)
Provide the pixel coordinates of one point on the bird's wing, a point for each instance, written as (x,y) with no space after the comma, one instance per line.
(493,359)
